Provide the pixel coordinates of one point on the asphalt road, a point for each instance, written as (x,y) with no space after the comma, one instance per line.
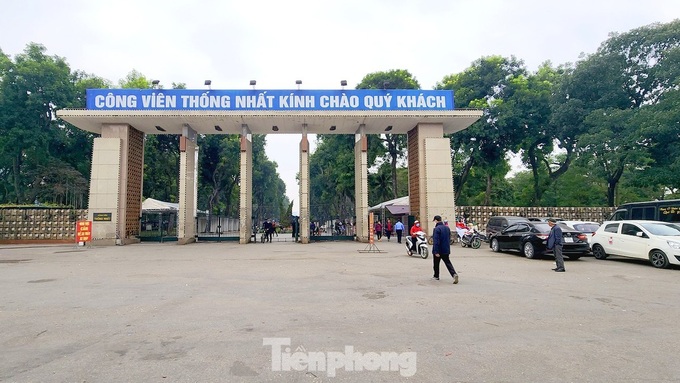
(286,312)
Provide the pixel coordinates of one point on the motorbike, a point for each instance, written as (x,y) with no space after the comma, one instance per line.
(421,245)
(472,238)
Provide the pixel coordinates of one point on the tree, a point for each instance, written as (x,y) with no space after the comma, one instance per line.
(527,111)
(394,144)
(486,142)
(618,88)
(32,88)
(331,171)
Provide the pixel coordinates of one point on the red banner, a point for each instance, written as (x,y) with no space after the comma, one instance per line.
(83,231)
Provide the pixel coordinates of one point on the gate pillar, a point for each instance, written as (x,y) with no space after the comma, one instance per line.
(304,187)
(361,184)
(115,201)
(188,158)
(246,190)
(430,174)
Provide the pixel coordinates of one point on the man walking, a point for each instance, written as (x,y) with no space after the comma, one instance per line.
(399,229)
(441,249)
(555,244)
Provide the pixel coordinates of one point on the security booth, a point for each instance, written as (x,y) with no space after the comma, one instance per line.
(122,118)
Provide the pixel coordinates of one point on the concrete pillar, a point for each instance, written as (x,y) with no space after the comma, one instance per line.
(188,158)
(361,184)
(430,174)
(246,190)
(115,200)
(304,186)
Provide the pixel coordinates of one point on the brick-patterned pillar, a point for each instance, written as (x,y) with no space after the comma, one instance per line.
(115,201)
(304,187)
(361,184)
(430,174)
(246,190)
(188,157)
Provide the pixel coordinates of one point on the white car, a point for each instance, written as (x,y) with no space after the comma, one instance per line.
(657,241)
(586,227)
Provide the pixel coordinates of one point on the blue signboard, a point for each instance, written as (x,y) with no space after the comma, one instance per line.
(280,100)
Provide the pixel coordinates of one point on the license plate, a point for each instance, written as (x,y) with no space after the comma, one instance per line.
(568,239)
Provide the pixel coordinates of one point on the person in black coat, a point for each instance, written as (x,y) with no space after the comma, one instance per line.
(555,244)
(441,249)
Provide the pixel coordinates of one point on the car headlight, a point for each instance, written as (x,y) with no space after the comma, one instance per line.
(674,245)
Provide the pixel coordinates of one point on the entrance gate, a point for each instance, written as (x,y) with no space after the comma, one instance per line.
(122,117)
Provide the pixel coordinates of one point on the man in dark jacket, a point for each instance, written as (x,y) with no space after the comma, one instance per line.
(555,244)
(441,248)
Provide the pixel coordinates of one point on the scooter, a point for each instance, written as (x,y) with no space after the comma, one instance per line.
(421,245)
(472,238)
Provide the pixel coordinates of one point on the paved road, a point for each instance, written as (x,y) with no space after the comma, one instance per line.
(223,312)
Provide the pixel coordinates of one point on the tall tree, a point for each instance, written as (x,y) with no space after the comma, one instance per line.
(394,144)
(32,88)
(616,86)
(485,143)
(527,111)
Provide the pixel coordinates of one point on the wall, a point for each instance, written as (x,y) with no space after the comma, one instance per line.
(41,224)
(479,215)
(26,225)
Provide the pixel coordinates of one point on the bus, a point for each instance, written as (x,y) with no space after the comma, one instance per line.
(663,210)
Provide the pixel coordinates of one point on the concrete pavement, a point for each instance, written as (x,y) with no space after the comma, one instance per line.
(224,312)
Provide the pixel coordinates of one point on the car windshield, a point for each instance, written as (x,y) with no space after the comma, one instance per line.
(663,229)
(586,227)
(542,227)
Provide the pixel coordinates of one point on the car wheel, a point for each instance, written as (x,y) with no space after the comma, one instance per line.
(658,259)
(574,257)
(598,252)
(529,250)
(495,246)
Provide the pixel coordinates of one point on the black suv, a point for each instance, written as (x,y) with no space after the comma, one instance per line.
(497,223)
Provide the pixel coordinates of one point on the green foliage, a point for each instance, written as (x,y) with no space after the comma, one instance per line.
(485,143)
(135,80)
(392,147)
(161,164)
(614,117)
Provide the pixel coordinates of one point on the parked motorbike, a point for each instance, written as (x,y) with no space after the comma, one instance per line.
(472,238)
(421,245)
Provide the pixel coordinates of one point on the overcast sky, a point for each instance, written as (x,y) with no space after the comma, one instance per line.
(319,42)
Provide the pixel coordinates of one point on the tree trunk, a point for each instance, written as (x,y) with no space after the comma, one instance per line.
(487,193)
(463,176)
(16,166)
(534,171)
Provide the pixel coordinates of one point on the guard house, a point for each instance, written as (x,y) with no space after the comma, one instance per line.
(122,117)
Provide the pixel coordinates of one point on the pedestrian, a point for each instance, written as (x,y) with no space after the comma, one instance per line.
(399,229)
(555,244)
(388,229)
(378,230)
(441,248)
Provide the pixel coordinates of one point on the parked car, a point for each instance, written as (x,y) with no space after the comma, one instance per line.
(657,241)
(531,239)
(586,227)
(499,222)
